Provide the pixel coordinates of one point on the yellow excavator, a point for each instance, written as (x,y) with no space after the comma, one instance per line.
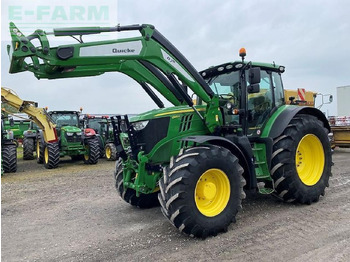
(39,116)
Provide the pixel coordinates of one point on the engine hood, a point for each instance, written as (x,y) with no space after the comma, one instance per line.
(164,112)
(72,129)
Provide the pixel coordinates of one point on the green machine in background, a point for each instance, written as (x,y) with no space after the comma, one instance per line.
(73,141)
(194,159)
(18,127)
(104,131)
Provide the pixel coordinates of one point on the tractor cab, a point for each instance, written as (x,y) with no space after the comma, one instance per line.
(65,118)
(67,125)
(248,94)
(99,123)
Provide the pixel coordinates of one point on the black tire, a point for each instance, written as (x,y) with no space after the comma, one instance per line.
(51,155)
(100,144)
(110,152)
(304,181)
(92,151)
(28,148)
(129,195)
(40,147)
(9,158)
(181,195)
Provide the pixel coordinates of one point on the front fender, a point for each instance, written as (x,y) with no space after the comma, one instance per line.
(89,133)
(239,146)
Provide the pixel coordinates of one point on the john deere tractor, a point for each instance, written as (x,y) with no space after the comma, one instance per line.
(73,141)
(194,159)
(104,132)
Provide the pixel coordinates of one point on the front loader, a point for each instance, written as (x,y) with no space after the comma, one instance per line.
(195,160)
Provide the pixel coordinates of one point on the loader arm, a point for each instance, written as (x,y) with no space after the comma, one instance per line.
(39,115)
(149,58)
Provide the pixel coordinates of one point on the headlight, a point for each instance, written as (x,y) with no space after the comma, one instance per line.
(79,133)
(140,125)
(228,105)
(69,134)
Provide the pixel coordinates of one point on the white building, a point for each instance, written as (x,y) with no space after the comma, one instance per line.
(343,97)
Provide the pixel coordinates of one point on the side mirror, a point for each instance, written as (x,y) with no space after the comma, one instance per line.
(254,80)
(330,99)
(254,75)
(254,88)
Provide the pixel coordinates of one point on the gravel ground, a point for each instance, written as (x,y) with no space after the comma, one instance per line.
(73,213)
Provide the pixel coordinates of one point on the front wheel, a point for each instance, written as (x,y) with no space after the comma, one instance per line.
(9,158)
(28,148)
(301,160)
(51,155)
(92,149)
(40,147)
(202,190)
(110,152)
(129,195)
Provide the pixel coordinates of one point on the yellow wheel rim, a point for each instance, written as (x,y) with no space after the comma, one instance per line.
(108,152)
(46,155)
(212,192)
(38,148)
(310,159)
(86,156)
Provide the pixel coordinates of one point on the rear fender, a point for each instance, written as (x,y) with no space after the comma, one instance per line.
(282,121)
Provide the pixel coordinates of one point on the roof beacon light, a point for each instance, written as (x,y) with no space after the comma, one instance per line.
(242,53)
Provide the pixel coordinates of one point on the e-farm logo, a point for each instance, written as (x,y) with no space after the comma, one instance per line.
(59,14)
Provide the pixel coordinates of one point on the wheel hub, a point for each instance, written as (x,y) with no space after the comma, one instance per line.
(310,159)
(206,190)
(212,192)
(108,152)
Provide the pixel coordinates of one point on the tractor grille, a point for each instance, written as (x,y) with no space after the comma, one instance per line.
(185,124)
(155,131)
(74,138)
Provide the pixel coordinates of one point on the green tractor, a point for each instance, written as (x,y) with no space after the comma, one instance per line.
(195,160)
(18,127)
(8,150)
(104,132)
(72,141)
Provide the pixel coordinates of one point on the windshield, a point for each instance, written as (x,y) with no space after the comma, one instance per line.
(97,124)
(228,87)
(65,119)
(226,84)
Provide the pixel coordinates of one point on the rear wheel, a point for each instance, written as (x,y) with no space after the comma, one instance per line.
(40,147)
(111,152)
(301,161)
(28,148)
(51,155)
(129,195)
(92,151)
(9,158)
(202,190)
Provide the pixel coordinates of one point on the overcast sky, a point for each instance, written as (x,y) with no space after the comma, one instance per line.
(310,38)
